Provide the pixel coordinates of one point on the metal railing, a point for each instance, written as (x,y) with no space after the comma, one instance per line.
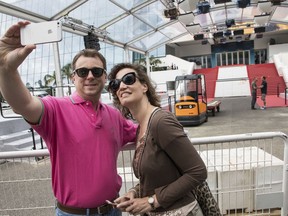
(247,173)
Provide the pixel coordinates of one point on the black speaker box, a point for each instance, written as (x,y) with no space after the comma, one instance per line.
(239,32)
(259,36)
(227,33)
(259,29)
(221,1)
(230,22)
(198,36)
(276,2)
(203,42)
(243,3)
(218,34)
(272,41)
(91,41)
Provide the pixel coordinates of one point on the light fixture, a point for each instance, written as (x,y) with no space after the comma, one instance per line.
(203,7)
(198,36)
(276,2)
(238,38)
(218,34)
(91,41)
(243,3)
(259,36)
(259,29)
(227,33)
(203,42)
(171,13)
(221,1)
(230,22)
(238,32)
(222,40)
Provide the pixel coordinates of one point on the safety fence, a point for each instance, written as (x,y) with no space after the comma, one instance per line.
(247,174)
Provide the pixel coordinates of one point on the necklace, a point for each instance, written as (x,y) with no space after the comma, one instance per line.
(140,150)
(143,129)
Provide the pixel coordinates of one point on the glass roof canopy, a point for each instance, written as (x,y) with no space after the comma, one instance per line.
(137,25)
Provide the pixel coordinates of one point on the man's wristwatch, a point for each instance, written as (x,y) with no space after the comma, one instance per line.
(151,201)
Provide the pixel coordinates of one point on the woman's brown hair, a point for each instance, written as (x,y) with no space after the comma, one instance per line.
(143,78)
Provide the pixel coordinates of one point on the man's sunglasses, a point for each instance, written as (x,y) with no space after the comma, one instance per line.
(127,79)
(83,72)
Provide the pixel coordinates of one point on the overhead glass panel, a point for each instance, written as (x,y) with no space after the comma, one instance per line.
(153,14)
(150,41)
(96,12)
(218,16)
(184,38)
(234,13)
(203,19)
(128,29)
(173,30)
(129,4)
(280,15)
(249,13)
(43,7)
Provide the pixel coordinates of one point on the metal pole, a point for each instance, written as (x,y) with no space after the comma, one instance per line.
(59,91)
(278,90)
(33,139)
(285,96)
(148,66)
(284,210)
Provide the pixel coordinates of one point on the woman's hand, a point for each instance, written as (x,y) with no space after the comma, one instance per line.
(122,202)
(137,206)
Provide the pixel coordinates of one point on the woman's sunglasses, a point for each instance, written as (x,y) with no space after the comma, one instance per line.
(83,72)
(127,79)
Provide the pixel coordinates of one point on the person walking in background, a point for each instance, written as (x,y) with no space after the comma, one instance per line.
(83,135)
(165,161)
(263,88)
(254,92)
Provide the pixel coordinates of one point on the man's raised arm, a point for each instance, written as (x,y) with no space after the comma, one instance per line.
(12,54)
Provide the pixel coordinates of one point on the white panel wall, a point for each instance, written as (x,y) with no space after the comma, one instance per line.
(232,81)
(232,72)
(232,88)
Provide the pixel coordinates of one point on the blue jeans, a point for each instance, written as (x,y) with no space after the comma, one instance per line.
(113,212)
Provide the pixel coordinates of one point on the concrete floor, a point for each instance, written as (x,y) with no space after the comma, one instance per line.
(236,117)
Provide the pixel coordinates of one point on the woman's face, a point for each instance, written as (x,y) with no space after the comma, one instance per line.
(130,91)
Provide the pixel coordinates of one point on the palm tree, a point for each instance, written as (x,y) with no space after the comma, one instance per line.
(39,82)
(153,61)
(67,71)
(50,80)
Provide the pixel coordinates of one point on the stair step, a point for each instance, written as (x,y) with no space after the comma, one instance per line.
(20,144)
(15,136)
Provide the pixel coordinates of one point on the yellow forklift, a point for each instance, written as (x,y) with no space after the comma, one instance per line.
(190,99)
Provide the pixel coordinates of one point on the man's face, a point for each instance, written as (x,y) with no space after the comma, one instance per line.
(89,87)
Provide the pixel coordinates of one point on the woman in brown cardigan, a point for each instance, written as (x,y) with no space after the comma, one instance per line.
(165,161)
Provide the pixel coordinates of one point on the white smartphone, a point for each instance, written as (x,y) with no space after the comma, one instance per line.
(111,203)
(39,33)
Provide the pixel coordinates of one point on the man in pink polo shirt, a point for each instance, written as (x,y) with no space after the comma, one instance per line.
(83,135)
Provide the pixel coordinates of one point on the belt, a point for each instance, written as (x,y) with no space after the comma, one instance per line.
(103,209)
